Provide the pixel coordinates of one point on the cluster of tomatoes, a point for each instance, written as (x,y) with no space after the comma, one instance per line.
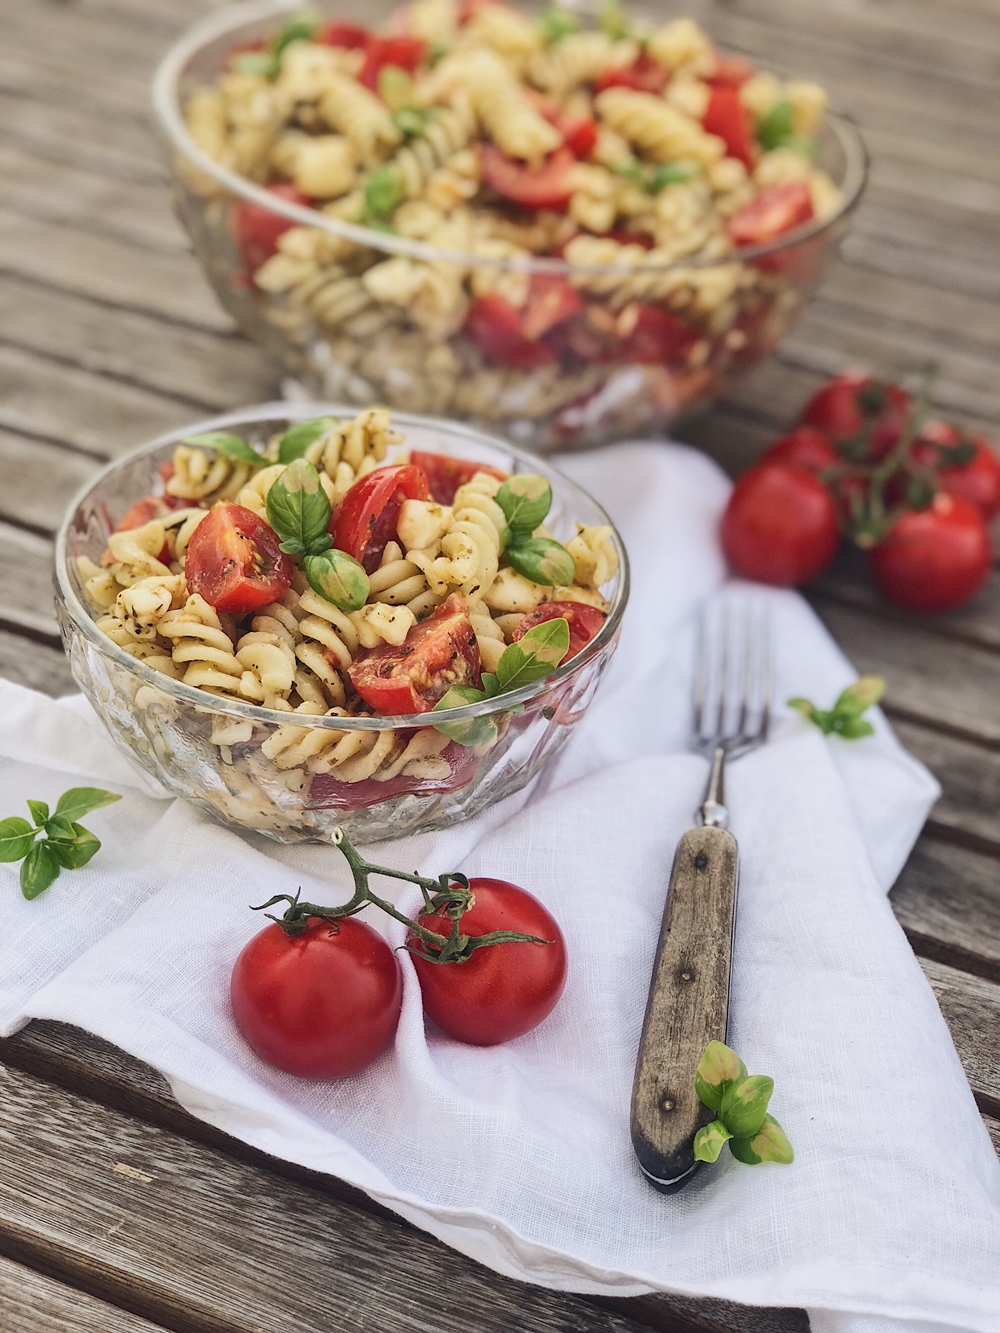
(864,463)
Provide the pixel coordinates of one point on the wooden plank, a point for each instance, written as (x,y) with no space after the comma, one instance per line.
(23,463)
(947,899)
(26,599)
(969,775)
(42,665)
(119,147)
(993,1129)
(971,1008)
(33,1303)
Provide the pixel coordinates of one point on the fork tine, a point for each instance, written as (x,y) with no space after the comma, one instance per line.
(700,674)
(765,671)
(723,670)
(747,672)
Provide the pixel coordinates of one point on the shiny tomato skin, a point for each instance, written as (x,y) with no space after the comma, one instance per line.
(551,301)
(364,521)
(977,481)
(804,447)
(780,525)
(438,652)
(235,562)
(857,403)
(584,622)
(503,990)
(547,186)
(645,75)
(775,210)
(406,52)
(445,474)
(323,1004)
(256,229)
(727,117)
(933,559)
(350,36)
(494,325)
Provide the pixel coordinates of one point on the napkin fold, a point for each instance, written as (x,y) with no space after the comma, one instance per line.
(519,1155)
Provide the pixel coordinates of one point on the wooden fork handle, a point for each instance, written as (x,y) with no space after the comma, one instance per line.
(687,1007)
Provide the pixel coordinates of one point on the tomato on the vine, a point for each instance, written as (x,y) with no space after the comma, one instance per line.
(256,229)
(364,521)
(235,562)
(780,525)
(503,990)
(322,1003)
(436,654)
(445,474)
(976,479)
(803,447)
(584,622)
(933,559)
(547,186)
(857,407)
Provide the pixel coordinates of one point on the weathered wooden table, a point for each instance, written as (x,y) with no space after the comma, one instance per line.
(118,1212)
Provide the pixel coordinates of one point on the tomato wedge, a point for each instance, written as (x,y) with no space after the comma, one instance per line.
(256,229)
(727,117)
(405,52)
(350,36)
(234,561)
(494,325)
(551,300)
(579,132)
(438,652)
(657,337)
(445,475)
(777,209)
(584,621)
(645,75)
(364,521)
(547,186)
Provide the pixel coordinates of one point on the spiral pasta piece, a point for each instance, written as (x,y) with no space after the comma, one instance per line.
(206,475)
(656,127)
(400,582)
(202,647)
(349,107)
(268,663)
(449,130)
(135,552)
(579,58)
(594,557)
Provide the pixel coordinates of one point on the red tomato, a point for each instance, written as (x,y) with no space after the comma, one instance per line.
(727,117)
(645,75)
(144,511)
(438,652)
(445,475)
(730,72)
(804,447)
(977,481)
(256,229)
(933,559)
(584,622)
(547,186)
(656,337)
(777,209)
(322,1004)
(347,35)
(502,990)
(780,525)
(856,404)
(234,561)
(494,325)
(364,521)
(406,52)
(579,134)
(551,300)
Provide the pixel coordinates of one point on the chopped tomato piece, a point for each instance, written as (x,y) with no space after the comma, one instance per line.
(777,209)
(657,337)
(579,134)
(256,229)
(551,300)
(547,186)
(645,75)
(235,562)
(494,325)
(727,117)
(364,521)
(730,72)
(351,36)
(584,622)
(445,474)
(144,511)
(406,52)
(438,652)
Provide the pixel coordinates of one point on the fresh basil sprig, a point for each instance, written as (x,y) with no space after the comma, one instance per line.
(337,577)
(224,443)
(67,845)
(297,439)
(844,718)
(525,500)
(740,1101)
(298,510)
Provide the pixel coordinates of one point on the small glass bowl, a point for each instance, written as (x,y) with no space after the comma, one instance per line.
(169,727)
(339,341)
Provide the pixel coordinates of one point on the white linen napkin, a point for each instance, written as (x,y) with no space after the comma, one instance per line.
(519,1155)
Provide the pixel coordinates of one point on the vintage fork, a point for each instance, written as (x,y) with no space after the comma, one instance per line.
(688,1001)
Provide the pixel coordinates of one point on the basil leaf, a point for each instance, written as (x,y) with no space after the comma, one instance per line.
(668,173)
(491,686)
(39,811)
(525,500)
(79,801)
(298,510)
(475,731)
(75,852)
(744,1105)
(771,1144)
(39,869)
(536,655)
(257,62)
(542,561)
(299,28)
(865,691)
(719,1069)
(383,191)
(297,439)
(709,1141)
(58,826)
(853,728)
(16,837)
(611,20)
(339,578)
(776,127)
(224,443)
(554,24)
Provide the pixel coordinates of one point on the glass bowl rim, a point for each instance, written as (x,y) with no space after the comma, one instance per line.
(166,106)
(202,699)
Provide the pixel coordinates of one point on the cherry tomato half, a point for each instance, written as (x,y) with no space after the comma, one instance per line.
(322,1004)
(256,229)
(144,511)
(777,209)
(645,75)
(977,480)
(350,36)
(780,525)
(445,474)
(438,652)
(235,562)
(494,325)
(406,52)
(730,72)
(855,406)
(547,186)
(502,990)
(584,622)
(933,559)
(364,521)
(726,116)
(804,447)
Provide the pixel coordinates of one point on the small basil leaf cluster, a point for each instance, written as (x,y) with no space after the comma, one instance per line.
(844,718)
(299,512)
(67,845)
(224,443)
(740,1102)
(525,500)
(536,655)
(298,438)
(300,27)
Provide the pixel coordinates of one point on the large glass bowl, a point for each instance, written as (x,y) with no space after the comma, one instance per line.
(335,338)
(208,749)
